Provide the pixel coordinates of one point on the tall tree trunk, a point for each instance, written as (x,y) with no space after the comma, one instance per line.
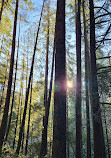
(9,122)
(21,99)
(4,85)
(59,125)
(49,97)
(16,123)
(78,84)
(18,108)
(43,150)
(87,83)
(23,133)
(28,88)
(27,137)
(99,144)
(6,108)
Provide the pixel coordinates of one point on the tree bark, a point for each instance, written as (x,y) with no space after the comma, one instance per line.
(43,151)
(18,109)
(9,122)
(4,85)
(7,102)
(16,123)
(99,144)
(87,83)
(59,125)
(78,84)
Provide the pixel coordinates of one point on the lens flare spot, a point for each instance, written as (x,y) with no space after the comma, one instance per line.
(69,84)
(57,86)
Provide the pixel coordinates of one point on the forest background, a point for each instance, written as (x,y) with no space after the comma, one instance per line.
(28,25)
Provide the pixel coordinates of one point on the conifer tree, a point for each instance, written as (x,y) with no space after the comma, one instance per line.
(59,125)
(78,83)
(27,136)
(99,144)
(43,151)
(28,88)
(7,102)
(87,65)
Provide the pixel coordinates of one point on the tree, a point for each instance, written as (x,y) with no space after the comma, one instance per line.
(99,144)
(78,83)
(87,72)
(19,103)
(27,137)
(13,97)
(28,88)
(7,102)
(43,151)
(59,124)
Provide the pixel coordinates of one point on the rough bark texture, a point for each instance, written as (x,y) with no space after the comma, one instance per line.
(7,102)
(87,83)
(59,125)
(78,84)
(99,144)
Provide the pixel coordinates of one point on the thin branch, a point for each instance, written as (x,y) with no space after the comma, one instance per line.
(104,57)
(105,103)
(103,9)
(104,67)
(107,39)
(104,36)
(100,8)
(103,15)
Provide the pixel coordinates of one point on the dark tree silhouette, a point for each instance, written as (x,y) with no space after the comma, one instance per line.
(44,133)
(78,83)
(59,125)
(99,144)
(7,102)
(10,116)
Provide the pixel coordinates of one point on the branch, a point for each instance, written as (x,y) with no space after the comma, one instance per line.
(103,21)
(103,15)
(100,8)
(106,39)
(104,36)
(104,57)
(104,67)
(101,72)
(105,103)
(103,9)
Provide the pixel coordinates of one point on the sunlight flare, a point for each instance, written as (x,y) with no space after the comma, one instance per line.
(69,84)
